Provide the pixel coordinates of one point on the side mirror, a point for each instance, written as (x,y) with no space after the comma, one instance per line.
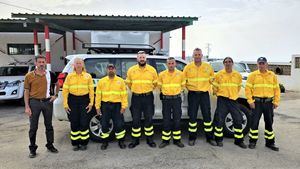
(93,75)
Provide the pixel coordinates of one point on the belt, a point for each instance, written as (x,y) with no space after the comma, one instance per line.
(197,92)
(80,96)
(263,99)
(110,102)
(142,94)
(171,97)
(41,100)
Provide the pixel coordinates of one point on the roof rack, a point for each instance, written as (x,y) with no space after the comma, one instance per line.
(17,62)
(214,59)
(118,48)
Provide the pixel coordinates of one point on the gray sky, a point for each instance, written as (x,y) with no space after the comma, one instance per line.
(243,29)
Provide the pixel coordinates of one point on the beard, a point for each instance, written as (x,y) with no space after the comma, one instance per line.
(142,64)
(172,68)
(41,67)
(111,74)
(197,60)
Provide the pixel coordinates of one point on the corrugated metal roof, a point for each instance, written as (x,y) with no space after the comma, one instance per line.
(70,22)
(21,25)
(114,16)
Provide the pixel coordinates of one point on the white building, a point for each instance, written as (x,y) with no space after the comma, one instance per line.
(19,46)
(59,32)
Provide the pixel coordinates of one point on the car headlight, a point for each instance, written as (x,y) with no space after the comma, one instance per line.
(14,83)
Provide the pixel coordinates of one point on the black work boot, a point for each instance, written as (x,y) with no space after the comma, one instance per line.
(192,142)
(122,145)
(272,147)
(211,142)
(252,145)
(83,147)
(32,151)
(241,144)
(76,148)
(32,154)
(163,144)
(52,149)
(104,145)
(134,143)
(192,139)
(178,143)
(150,142)
(219,143)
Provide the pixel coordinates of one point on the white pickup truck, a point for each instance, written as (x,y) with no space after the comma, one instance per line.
(96,66)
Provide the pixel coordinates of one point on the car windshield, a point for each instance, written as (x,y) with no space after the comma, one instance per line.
(13,71)
(217,66)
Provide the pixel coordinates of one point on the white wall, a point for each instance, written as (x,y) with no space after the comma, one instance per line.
(57,53)
(56,48)
(291,82)
(155,36)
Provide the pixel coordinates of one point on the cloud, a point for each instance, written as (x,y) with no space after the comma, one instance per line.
(241,28)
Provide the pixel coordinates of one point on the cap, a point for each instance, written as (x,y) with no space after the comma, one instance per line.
(110,65)
(261,59)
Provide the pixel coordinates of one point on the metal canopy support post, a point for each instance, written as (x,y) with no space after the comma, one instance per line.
(74,42)
(161,40)
(35,42)
(183,43)
(47,47)
(65,44)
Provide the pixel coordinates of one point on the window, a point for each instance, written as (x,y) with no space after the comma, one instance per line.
(21,49)
(32,68)
(297,62)
(217,66)
(161,66)
(13,71)
(126,64)
(97,67)
(180,66)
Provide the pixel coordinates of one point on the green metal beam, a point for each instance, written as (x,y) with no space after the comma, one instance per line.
(104,22)
(51,25)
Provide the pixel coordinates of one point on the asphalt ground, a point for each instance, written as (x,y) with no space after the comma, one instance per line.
(14,142)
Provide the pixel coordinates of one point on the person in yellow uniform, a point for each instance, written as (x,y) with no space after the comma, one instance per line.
(111,102)
(171,83)
(78,99)
(226,85)
(142,79)
(198,76)
(263,96)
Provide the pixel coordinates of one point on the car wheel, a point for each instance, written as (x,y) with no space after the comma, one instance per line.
(21,101)
(96,129)
(228,122)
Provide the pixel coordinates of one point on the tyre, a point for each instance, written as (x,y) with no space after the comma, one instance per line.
(21,101)
(96,128)
(282,88)
(228,122)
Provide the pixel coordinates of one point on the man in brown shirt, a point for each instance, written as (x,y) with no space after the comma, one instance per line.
(37,97)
